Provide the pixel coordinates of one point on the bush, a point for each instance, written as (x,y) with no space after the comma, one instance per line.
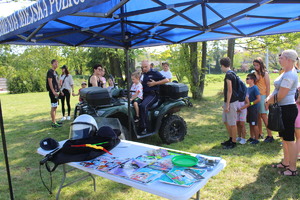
(25,81)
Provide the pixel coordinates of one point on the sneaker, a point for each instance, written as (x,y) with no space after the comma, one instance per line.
(55,125)
(254,141)
(68,118)
(269,139)
(250,140)
(226,142)
(143,132)
(230,145)
(243,141)
(63,119)
(238,139)
(136,119)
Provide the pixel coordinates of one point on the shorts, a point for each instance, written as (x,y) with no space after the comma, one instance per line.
(230,117)
(241,116)
(53,100)
(138,100)
(297,122)
(289,115)
(252,115)
(262,108)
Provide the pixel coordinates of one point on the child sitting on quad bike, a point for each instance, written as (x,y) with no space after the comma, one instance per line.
(136,94)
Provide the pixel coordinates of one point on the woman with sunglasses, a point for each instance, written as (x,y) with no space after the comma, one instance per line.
(95,79)
(285,89)
(263,84)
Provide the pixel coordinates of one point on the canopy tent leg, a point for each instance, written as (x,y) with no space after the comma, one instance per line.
(5,154)
(128,90)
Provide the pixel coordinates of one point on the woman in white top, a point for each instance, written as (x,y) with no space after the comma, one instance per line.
(66,87)
(285,89)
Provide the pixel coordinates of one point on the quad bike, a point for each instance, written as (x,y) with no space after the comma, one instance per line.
(104,104)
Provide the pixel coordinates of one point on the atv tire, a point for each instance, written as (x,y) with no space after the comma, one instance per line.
(173,129)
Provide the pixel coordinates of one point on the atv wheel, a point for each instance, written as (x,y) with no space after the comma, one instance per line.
(125,134)
(173,129)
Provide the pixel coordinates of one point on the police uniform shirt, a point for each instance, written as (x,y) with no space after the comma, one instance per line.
(154,75)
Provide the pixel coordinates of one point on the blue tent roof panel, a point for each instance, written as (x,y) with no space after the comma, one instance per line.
(135,23)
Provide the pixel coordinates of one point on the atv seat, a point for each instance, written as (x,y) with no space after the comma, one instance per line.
(156,104)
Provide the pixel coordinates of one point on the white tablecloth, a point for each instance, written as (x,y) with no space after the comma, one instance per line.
(131,149)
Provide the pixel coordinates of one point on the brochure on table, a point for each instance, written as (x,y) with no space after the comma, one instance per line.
(154,165)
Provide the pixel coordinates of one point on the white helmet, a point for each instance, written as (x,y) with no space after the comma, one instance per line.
(83,126)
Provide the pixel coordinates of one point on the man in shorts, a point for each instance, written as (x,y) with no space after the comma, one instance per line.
(53,88)
(230,103)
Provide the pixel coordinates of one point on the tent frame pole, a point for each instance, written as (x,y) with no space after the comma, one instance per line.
(128,89)
(5,154)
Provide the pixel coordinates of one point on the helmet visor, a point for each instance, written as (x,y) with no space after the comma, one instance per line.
(80,131)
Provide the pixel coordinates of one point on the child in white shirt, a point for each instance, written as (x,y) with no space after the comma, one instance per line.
(137,95)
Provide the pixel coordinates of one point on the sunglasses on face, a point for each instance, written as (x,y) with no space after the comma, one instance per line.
(248,78)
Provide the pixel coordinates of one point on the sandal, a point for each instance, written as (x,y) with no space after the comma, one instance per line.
(292,173)
(280,165)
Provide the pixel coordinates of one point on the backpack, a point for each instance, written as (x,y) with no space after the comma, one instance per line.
(241,88)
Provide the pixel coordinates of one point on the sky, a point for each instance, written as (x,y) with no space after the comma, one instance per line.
(7,7)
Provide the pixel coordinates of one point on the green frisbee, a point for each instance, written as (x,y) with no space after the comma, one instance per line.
(184,161)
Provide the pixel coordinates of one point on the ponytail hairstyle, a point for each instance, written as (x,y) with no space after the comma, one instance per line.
(297,65)
(262,68)
(292,55)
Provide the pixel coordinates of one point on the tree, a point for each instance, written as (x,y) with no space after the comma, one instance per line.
(257,46)
(216,50)
(75,58)
(194,71)
(203,70)
(30,68)
(185,59)
(179,61)
(230,51)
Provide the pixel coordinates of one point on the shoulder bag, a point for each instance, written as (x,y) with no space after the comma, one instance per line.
(60,96)
(275,122)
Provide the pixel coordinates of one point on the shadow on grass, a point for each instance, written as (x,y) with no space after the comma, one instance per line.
(269,185)
(206,131)
(105,189)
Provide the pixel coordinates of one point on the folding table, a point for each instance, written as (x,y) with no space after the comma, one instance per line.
(132,149)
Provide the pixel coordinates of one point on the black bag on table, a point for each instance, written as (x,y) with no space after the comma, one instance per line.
(69,153)
(275,122)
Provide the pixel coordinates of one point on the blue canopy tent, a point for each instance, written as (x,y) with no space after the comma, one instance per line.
(139,23)
(135,23)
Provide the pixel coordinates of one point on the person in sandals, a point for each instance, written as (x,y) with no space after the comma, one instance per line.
(285,89)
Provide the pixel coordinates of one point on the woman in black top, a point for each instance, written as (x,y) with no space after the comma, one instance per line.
(95,80)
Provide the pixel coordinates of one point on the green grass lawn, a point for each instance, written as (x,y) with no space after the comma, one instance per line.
(248,174)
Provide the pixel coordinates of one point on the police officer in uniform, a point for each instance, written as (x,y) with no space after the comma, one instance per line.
(150,81)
